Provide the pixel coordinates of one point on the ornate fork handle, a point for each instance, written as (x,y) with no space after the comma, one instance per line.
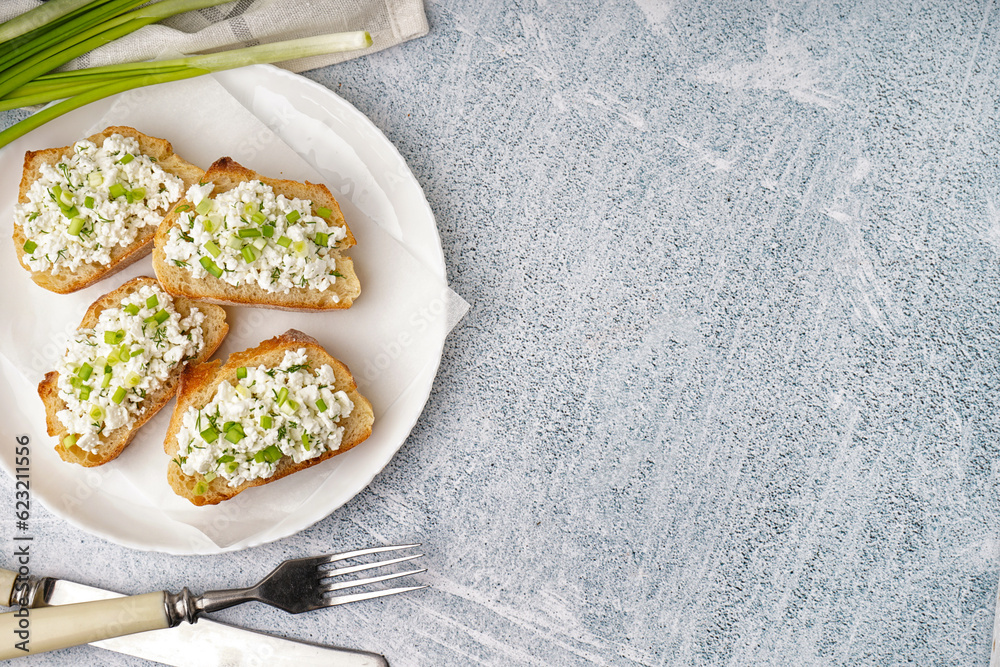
(294,586)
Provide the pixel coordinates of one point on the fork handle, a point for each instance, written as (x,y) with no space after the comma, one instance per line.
(29,631)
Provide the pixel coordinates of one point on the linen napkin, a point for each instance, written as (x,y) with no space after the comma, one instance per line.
(252,22)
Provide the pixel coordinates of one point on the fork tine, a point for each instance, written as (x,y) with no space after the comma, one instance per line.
(338,585)
(333,558)
(351,569)
(344,599)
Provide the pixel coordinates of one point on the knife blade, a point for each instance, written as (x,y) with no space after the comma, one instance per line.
(206,643)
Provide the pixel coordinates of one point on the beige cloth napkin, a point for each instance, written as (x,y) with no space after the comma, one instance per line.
(251,22)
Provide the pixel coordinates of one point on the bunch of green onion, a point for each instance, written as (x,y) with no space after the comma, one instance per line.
(39,41)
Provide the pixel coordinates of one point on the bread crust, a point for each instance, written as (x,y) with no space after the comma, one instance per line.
(87,274)
(226,174)
(200,381)
(114,443)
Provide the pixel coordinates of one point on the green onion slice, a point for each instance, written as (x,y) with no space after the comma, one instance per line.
(210,266)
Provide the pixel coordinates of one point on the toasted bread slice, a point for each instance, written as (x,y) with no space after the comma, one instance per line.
(200,382)
(226,174)
(66,281)
(112,444)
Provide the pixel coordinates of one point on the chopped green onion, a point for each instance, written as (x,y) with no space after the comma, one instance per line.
(114,337)
(267,230)
(211,267)
(248,233)
(249,254)
(241,372)
(209,476)
(128,157)
(259,456)
(132,309)
(234,435)
(66,198)
(94,179)
(119,395)
(321,239)
(89,202)
(258,217)
(210,435)
(284,241)
(106,382)
(232,467)
(71,212)
(272,454)
(212,248)
(85,392)
(138,194)
(235,243)
(208,224)
(29,246)
(305,441)
(84,371)
(282,395)
(152,302)
(160,317)
(259,243)
(204,206)
(265,421)
(117,190)
(69,441)
(299,247)
(200,488)
(137,352)
(96,413)
(133,379)
(225,458)
(321,405)
(292,216)
(324,212)
(76,226)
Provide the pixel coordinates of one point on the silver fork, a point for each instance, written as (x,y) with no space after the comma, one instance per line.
(295,586)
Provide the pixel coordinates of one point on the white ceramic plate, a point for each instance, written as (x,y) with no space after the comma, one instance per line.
(320,127)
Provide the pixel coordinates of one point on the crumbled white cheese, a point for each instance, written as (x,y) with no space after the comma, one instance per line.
(271,414)
(125,356)
(92,201)
(245,236)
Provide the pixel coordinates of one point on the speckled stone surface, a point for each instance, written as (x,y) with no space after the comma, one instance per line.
(726,392)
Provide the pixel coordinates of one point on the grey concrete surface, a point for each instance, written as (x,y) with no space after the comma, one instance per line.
(727,391)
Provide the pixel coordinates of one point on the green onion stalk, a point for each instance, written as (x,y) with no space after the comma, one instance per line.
(81,87)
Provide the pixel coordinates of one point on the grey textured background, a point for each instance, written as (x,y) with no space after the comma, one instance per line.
(726,394)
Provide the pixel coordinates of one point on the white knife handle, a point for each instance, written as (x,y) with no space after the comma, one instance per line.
(7,579)
(51,628)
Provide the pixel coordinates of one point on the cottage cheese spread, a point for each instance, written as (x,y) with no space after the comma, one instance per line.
(249,235)
(246,429)
(108,370)
(91,202)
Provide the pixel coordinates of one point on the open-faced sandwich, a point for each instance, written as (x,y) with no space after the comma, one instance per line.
(269,411)
(122,365)
(88,210)
(242,238)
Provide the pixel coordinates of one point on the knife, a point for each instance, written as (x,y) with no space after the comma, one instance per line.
(206,643)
